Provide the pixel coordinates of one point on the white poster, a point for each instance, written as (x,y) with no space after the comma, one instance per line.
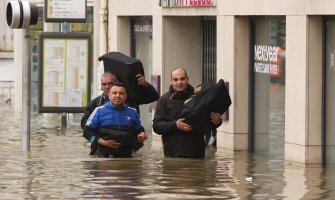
(65,64)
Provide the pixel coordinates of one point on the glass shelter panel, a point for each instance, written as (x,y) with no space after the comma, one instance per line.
(268,75)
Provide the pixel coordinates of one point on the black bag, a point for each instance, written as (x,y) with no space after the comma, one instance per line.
(125,68)
(211,98)
(125,137)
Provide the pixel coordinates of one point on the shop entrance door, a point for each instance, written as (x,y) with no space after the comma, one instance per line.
(142,50)
(267,134)
(329,104)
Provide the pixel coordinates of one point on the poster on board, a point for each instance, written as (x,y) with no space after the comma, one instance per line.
(64,72)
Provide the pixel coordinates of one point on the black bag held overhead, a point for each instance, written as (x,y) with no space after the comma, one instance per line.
(211,98)
(125,68)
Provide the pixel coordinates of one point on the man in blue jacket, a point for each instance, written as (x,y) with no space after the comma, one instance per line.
(114,127)
(107,79)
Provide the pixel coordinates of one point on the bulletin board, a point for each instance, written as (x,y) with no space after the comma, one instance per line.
(64,72)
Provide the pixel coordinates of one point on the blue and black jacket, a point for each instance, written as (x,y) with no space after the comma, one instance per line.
(121,124)
(149,95)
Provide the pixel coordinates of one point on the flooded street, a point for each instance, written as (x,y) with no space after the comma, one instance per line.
(59,167)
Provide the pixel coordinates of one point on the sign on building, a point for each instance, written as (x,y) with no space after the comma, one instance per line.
(187,3)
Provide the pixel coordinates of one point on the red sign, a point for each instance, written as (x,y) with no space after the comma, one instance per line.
(186,3)
(200,2)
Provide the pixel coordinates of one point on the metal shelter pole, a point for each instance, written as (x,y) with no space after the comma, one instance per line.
(26,89)
(65,29)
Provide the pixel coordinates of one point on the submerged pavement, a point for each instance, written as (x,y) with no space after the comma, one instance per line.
(58,167)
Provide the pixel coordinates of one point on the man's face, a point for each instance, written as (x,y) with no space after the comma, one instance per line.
(117,95)
(179,80)
(106,83)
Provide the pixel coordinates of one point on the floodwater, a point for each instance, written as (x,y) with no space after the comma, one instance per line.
(58,167)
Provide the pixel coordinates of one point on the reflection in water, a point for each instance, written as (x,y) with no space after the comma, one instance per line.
(114,178)
(59,167)
(166,178)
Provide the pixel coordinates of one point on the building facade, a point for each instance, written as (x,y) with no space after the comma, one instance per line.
(277,56)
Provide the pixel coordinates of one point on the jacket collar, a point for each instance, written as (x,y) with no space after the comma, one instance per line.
(111,105)
(181,95)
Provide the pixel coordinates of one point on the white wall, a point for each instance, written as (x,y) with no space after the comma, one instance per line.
(6,70)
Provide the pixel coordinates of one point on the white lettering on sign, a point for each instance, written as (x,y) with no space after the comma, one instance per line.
(266,59)
(266,53)
(274,69)
(143,28)
(266,68)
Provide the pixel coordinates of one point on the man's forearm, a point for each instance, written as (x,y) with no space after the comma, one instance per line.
(90,134)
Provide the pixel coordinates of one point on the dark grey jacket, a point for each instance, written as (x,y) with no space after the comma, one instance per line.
(176,143)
